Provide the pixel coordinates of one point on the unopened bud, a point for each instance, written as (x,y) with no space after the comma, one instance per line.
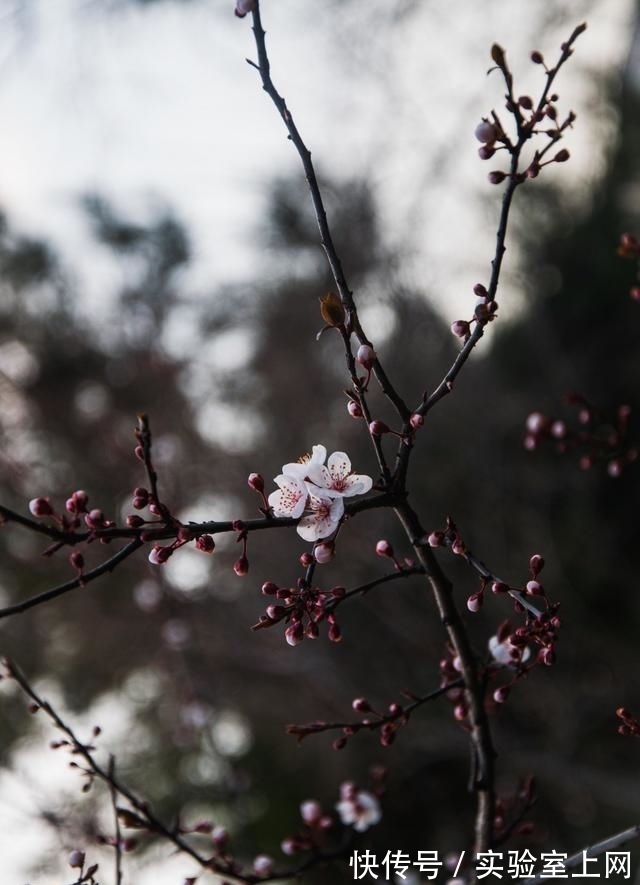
(366,356)
(460,328)
(76,859)
(205,544)
(486,132)
(377,428)
(40,507)
(496,177)
(256,482)
(243,7)
(324,552)
(384,548)
(354,409)
(241,566)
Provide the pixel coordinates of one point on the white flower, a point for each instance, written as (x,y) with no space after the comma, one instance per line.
(323,520)
(290,498)
(508,654)
(360,811)
(336,479)
(308,463)
(309,485)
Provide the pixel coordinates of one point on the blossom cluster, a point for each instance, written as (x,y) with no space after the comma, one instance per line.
(311,487)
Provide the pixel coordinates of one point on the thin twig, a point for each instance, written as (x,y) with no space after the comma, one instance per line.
(598,848)
(80,581)
(326,239)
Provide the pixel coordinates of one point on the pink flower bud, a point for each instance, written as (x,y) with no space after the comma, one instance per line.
(306,559)
(324,552)
(76,859)
(94,518)
(377,428)
(474,602)
(205,544)
(77,560)
(256,482)
(159,555)
(547,656)
(460,328)
(262,864)
(536,57)
(269,588)
(634,293)
(134,522)
(40,507)
(536,423)
(501,694)
(496,177)
(366,356)
(384,548)
(486,132)
(334,633)
(486,151)
(536,564)
(289,846)
(436,539)
(416,420)
(460,712)
(294,634)
(243,7)
(354,409)
(311,811)
(614,468)
(558,430)
(562,156)
(312,631)
(241,566)
(220,837)
(361,705)
(276,612)
(534,588)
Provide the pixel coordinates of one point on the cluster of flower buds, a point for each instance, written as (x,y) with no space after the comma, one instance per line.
(312,834)
(450,537)
(510,808)
(76,512)
(485,311)
(357,808)
(629,724)
(302,608)
(599,437)
(629,247)
(531,117)
(387,723)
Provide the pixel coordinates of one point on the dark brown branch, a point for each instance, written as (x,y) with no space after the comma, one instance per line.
(86,578)
(227,868)
(302,731)
(480,733)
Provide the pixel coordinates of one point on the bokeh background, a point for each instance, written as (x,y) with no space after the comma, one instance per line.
(158,252)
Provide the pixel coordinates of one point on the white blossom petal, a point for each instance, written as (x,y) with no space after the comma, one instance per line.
(290,498)
(324,519)
(361,811)
(304,467)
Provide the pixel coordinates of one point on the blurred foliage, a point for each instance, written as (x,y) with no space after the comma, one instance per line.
(254,390)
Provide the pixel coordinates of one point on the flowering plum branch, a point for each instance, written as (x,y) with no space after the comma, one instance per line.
(314,495)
